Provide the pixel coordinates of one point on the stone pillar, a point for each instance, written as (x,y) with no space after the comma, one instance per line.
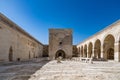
(93,54)
(117,51)
(87,53)
(80,54)
(84,53)
(102,52)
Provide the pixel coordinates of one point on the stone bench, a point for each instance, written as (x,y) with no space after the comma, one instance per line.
(86,59)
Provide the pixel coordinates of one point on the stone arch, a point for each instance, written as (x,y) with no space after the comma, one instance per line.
(81,51)
(60,53)
(85,50)
(108,47)
(97,49)
(10,54)
(110,54)
(90,47)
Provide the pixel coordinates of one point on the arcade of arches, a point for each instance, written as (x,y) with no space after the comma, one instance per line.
(100,49)
(104,45)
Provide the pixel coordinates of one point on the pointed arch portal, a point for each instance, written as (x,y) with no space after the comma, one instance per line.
(109,47)
(60,53)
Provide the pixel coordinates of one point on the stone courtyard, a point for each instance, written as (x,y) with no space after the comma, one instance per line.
(43,69)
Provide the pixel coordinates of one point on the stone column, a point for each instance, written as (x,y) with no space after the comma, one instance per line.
(117,51)
(83,53)
(87,53)
(80,54)
(93,54)
(102,52)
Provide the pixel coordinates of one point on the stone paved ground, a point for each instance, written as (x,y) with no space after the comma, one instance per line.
(20,70)
(67,70)
(75,70)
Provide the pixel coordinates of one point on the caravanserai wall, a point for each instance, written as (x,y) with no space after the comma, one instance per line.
(15,43)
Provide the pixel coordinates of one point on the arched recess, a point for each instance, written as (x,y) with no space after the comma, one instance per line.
(79,53)
(90,47)
(10,54)
(29,55)
(82,51)
(60,53)
(85,51)
(97,49)
(108,47)
(34,55)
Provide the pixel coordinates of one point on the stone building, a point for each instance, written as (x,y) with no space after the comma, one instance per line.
(15,43)
(60,43)
(45,51)
(75,51)
(103,45)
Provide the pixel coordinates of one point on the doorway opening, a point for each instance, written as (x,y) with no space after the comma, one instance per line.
(10,54)
(60,53)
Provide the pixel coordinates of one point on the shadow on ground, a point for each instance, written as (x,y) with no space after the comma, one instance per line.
(20,70)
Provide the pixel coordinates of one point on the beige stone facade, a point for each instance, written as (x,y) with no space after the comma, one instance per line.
(15,43)
(45,51)
(103,45)
(60,43)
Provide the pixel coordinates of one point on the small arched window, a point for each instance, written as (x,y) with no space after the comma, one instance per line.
(60,43)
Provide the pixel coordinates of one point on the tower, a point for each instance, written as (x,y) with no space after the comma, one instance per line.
(60,43)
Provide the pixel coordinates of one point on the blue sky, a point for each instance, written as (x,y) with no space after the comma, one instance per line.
(85,17)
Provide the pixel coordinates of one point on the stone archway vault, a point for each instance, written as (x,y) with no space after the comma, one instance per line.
(60,53)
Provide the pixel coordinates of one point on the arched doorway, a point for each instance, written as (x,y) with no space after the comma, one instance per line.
(10,54)
(60,53)
(108,47)
(90,50)
(82,51)
(79,53)
(85,51)
(110,54)
(97,49)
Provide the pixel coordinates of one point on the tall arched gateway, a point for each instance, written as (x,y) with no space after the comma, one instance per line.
(60,53)
(109,47)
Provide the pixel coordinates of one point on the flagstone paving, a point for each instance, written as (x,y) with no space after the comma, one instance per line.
(67,70)
(76,70)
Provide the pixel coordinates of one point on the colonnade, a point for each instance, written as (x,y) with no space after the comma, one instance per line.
(103,45)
